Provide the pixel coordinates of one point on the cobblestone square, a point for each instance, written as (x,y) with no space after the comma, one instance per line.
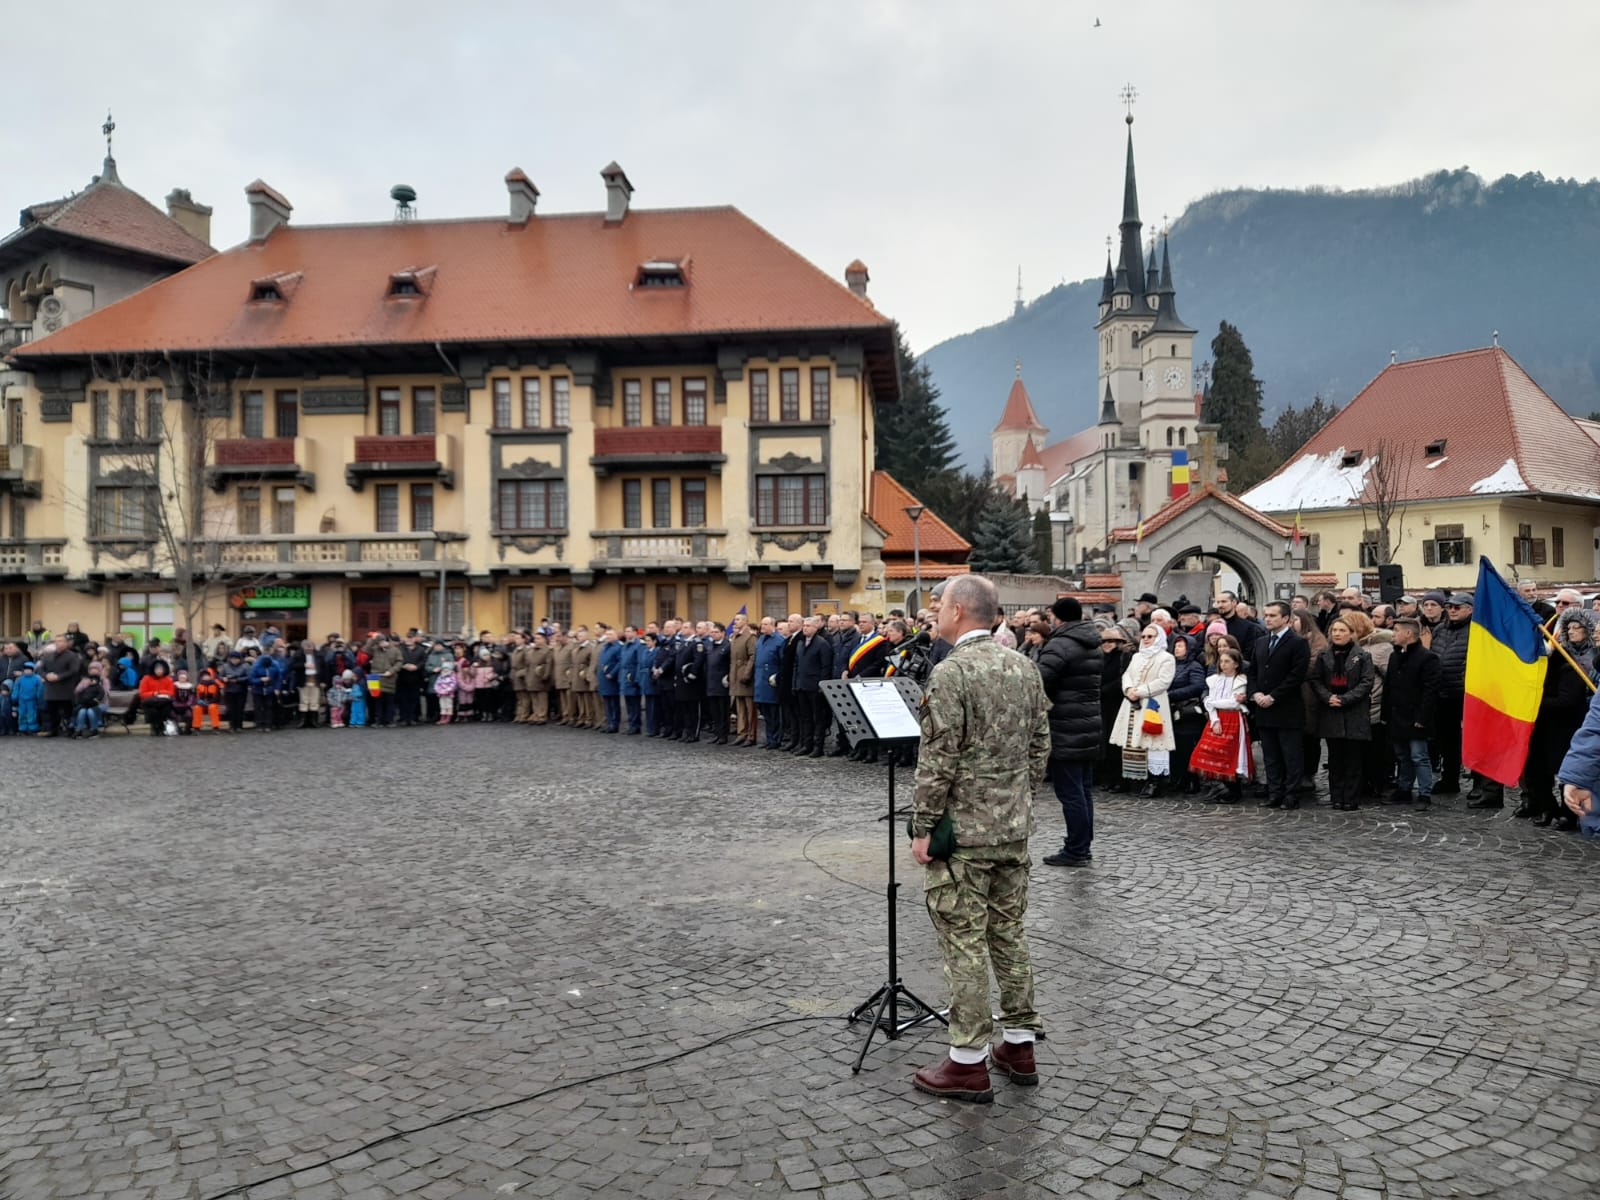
(283,967)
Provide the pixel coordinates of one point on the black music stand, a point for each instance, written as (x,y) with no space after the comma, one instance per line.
(884,1005)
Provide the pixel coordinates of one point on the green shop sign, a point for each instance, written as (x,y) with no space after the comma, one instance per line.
(275,596)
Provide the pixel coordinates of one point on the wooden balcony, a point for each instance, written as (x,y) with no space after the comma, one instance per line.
(410,456)
(661,446)
(349,554)
(33,559)
(21,470)
(670,550)
(243,459)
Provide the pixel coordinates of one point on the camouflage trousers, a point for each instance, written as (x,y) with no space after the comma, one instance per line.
(977,901)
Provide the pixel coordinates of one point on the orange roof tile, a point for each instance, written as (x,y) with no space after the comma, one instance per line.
(112,215)
(930,570)
(1502,434)
(1102,582)
(1176,508)
(562,277)
(1019,412)
(1318,579)
(1030,456)
(889,502)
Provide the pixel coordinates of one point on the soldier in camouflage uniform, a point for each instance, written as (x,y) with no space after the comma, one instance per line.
(985,744)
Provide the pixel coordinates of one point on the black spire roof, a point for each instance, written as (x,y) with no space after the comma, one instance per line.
(1108,408)
(1108,283)
(1168,320)
(1132,262)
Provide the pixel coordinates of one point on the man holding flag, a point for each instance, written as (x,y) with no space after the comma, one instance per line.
(1506,662)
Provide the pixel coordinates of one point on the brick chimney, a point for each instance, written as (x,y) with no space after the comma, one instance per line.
(855,275)
(524,196)
(618,192)
(195,218)
(268,210)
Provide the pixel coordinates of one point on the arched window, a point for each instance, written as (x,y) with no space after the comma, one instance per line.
(1182,433)
(1169,435)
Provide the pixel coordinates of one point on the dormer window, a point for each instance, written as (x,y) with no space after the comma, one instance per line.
(412,283)
(1352,458)
(1435,448)
(274,289)
(660,273)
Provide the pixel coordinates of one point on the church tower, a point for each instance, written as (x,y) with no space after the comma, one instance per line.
(1130,312)
(1019,427)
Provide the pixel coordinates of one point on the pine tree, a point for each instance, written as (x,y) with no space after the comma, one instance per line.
(1004,538)
(1234,400)
(1297,426)
(1233,403)
(913,440)
(1044,542)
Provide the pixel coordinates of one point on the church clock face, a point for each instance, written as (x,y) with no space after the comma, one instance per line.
(1175,378)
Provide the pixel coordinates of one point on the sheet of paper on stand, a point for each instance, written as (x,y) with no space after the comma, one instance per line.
(884,707)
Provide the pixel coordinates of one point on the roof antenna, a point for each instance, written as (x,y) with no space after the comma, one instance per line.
(404,196)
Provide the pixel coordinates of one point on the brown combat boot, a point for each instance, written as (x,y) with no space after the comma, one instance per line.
(957,1081)
(1016,1060)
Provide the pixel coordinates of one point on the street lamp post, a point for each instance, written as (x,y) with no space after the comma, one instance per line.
(915,511)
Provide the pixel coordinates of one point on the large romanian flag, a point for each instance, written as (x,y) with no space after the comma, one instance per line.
(1505,679)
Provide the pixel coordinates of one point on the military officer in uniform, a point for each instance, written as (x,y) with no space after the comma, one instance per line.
(985,745)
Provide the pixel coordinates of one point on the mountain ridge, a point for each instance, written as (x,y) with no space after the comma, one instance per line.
(1324,283)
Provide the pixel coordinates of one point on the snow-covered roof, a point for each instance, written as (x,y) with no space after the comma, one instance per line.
(1506,479)
(1312,481)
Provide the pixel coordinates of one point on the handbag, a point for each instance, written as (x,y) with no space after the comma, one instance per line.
(1153,723)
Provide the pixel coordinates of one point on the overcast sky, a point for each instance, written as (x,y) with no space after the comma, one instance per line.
(943,142)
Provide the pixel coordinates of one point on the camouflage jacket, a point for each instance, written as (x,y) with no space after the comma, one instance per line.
(985,744)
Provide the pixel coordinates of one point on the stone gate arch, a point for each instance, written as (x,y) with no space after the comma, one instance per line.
(1213,524)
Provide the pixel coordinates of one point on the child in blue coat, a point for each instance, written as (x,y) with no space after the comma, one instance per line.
(27,693)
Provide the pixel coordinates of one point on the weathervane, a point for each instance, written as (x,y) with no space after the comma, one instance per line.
(1019,368)
(107,129)
(1128,95)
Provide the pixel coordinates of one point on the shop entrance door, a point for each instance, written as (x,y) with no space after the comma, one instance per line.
(369,612)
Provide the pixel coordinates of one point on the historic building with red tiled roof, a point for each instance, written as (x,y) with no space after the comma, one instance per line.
(617,415)
(1472,457)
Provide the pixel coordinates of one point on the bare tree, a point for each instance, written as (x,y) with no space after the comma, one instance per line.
(1386,497)
(161,454)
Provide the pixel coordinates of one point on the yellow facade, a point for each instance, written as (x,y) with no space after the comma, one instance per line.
(355,517)
(1492,526)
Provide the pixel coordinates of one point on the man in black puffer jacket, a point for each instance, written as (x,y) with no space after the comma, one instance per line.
(1069,664)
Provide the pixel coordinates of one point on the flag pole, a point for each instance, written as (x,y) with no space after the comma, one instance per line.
(1562,650)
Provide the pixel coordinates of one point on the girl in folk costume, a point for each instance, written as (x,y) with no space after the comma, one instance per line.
(1144,721)
(1223,754)
(444,687)
(339,698)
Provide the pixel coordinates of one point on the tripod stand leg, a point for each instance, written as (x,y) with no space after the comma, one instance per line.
(872,1029)
(866,1005)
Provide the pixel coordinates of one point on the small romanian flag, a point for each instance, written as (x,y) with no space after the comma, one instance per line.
(1299,529)
(1505,679)
(1180,474)
(1138,534)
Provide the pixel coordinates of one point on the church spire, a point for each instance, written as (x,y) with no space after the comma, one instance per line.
(1132,261)
(1167,319)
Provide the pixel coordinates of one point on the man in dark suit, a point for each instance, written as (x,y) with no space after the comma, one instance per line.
(664,678)
(718,662)
(690,689)
(1276,710)
(788,701)
(813,663)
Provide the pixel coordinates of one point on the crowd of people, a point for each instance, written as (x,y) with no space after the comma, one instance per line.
(1167,699)
(1178,700)
(739,684)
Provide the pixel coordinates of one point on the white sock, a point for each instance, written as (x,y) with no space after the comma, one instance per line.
(1019,1037)
(968,1056)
